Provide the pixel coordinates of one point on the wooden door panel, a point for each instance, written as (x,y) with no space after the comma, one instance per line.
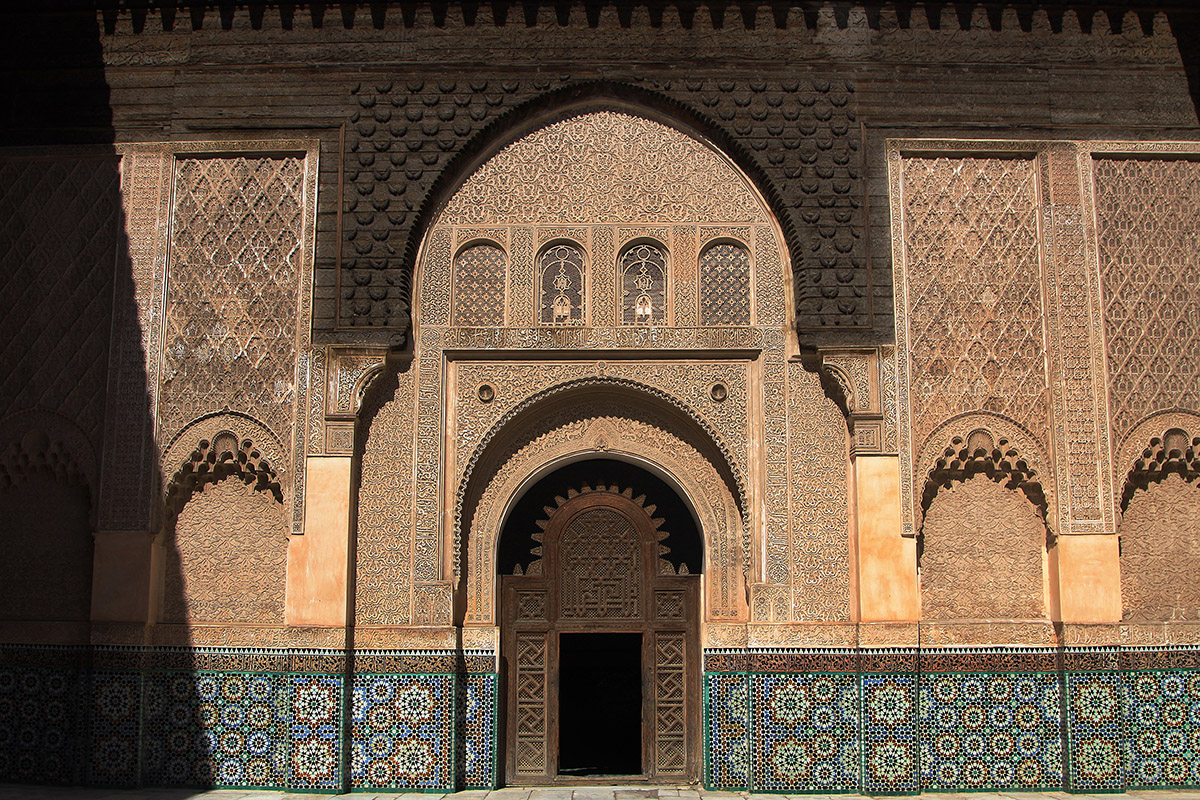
(670,704)
(530,721)
(597,575)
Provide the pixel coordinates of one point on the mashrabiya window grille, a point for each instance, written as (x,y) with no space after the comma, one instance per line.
(562,278)
(480,275)
(725,285)
(643,273)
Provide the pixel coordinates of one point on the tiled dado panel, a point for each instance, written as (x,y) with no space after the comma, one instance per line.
(40,723)
(400,732)
(477,752)
(982,730)
(269,719)
(1162,732)
(806,732)
(216,728)
(900,722)
(228,729)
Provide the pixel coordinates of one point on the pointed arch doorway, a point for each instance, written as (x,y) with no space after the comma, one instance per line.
(600,615)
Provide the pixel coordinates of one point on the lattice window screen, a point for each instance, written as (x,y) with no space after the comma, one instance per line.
(644,286)
(725,285)
(480,276)
(561,274)
(601,568)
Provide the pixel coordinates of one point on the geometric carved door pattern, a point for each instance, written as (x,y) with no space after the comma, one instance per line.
(600,572)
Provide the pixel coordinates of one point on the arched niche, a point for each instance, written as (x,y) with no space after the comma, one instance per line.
(1160,520)
(521,532)
(611,422)
(984,533)
(47,513)
(225,532)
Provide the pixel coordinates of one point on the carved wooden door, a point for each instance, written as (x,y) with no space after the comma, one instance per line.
(600,572)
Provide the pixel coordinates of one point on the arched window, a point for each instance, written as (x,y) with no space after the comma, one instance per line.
(644,286)
(561,274)
(480,275)
(725,285)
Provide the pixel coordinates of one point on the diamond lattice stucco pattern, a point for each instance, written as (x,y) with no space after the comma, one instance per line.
(230,322)
(1149,247)
(973,269)
(58,235)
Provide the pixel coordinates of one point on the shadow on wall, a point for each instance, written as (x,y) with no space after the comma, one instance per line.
(76,682)
(72,337)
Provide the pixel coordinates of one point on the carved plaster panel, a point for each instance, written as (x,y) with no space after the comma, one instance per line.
(1160,547)
(231,320)
(689,384)
(383,583)
(237,220)
(315,378)
(854,372)
(1076,358)
(227,558)
(33,442)
(46,536)
(350,373)
(999,429)
(1129,450)
(890,403)
(969,294)
(242,426)
(60,242)
(971,278)
(983,555)
(1147,198)
(1025,205)
(819,543)
(129,456)
(604,167)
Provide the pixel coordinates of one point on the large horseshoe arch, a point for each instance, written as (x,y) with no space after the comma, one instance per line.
(599,589)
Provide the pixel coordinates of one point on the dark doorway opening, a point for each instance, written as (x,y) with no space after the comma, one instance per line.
(600,704)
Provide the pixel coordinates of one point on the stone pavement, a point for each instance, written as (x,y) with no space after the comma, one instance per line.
(15,792)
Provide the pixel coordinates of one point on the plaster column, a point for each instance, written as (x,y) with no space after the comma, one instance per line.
(121,571)
(318,560)
(1088,579)
(887,560)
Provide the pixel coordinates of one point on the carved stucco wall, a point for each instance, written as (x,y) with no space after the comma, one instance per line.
(621,427)
(1110,256)
(1160,548)
(60,244)
(603,167)
(812,559)
(232,284)
(970,303)
(795,536)
(1094,222)
(214,310)
(227,559)
(983,556)
(384,567)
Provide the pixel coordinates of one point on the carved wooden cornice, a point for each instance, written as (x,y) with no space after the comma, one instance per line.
(710,14)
